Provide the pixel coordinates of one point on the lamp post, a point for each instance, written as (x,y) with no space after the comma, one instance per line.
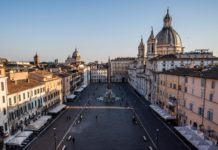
(54,129)
(157,133)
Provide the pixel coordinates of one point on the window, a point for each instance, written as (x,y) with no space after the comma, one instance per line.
(210,115)
(186,89)
(200,111)
(24,96)
(202,82)
(174,86)
(211,97)
(192,91)
(213,84)
(4,111)
(2,86)
(28,94)
(202,93)
(170,85)
(3,99)
(186,79)
(10,101)
(19,97)
(15,99)
(179,87)
(191,106)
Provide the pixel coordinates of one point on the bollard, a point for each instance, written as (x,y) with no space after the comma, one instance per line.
(69,138)
(64,147)
(144,138)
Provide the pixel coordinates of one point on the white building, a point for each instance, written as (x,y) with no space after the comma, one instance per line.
(24,100)
(86,75)
(98,73)
(3,104)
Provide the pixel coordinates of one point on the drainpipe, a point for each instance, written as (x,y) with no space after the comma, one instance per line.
(177,103)
(204,99)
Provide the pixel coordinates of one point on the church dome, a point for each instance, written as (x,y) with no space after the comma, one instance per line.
(168,36)
(76,54)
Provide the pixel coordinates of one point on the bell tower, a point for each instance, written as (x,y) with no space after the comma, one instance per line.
(151,45)
(141,52)
(36,60)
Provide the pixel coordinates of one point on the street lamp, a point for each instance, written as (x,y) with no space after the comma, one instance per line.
(157,133)
(54,129)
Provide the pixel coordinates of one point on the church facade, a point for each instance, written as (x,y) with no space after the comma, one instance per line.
(164,52)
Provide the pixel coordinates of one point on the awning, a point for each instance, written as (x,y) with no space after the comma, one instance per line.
(71,96)
(37,125)
(16,141)
(19,138)
(171,103)
(84,86)
(196,138)
(24,134)
(163,113)
(57,109)
(79,90)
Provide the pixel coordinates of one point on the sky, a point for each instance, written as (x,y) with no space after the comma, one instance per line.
(100,28)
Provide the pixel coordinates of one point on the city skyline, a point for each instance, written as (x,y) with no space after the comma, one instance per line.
(54,29)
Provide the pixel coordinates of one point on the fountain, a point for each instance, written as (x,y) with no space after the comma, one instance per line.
(109,96)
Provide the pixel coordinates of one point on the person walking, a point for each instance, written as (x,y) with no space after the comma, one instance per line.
(73,139)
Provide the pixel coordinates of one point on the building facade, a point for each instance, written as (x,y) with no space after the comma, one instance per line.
(164,52)
(66,79)
(4,130)
(53,87)
(190,95)
(25,102)
(98,73)
(119,68)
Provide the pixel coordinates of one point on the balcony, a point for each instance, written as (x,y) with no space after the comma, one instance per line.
(172,101)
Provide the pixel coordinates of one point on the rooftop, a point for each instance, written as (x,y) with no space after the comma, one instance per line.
(22,85)
(63,74)
(185,56)
(210,73)
(123,58)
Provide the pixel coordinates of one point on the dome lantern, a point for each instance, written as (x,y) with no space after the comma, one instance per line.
(167,19)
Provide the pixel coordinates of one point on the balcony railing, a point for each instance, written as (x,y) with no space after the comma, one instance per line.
(172,101)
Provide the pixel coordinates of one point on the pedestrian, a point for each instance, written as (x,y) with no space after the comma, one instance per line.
(73,139)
